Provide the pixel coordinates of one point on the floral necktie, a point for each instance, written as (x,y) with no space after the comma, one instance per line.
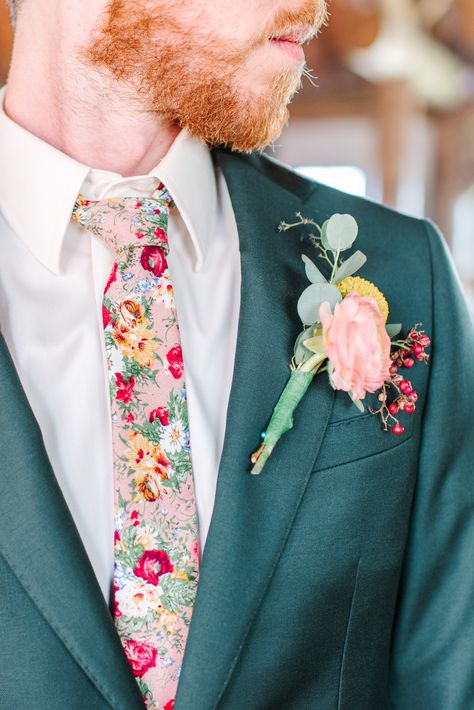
(156,532)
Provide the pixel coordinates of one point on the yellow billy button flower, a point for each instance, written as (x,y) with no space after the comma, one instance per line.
(364,288)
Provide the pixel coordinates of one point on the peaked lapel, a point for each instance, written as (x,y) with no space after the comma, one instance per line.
(253,515)
(40,543)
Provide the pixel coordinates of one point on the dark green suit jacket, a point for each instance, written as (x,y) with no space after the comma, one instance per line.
(342,578)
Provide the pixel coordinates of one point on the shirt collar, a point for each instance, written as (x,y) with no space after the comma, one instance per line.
(188,172)
(38,189)
(39,186)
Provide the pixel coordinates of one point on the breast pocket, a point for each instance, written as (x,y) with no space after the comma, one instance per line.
(357,438)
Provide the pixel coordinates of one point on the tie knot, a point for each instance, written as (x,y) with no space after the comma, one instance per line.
(127,222)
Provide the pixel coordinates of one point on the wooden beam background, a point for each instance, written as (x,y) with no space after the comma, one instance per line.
(6,41)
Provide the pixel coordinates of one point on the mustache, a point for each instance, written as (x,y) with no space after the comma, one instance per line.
(306,21)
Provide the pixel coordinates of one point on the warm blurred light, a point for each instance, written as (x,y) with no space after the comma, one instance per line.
(347,178)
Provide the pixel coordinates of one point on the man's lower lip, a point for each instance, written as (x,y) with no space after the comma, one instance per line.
(294,49)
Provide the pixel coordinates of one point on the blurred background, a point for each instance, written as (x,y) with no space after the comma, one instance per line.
(390,111)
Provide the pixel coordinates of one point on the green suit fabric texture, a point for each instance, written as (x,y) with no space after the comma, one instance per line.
(342,578)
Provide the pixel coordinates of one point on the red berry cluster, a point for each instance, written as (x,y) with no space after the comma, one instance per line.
(405,355)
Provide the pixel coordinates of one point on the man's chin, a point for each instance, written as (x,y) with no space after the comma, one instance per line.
(248,125)
(247,137)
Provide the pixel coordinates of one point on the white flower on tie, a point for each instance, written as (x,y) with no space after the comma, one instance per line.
(137,598)
(173,437)
(164,290)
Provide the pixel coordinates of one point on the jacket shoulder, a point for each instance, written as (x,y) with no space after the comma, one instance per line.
(314,193)
(384,233)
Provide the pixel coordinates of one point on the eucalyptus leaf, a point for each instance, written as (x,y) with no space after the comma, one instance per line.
(349,267)
(393,329)
(312,271)
(300,351)
(341,232)
(312,298)
(324,240)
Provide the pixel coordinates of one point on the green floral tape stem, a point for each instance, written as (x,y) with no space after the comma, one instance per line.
(282,417)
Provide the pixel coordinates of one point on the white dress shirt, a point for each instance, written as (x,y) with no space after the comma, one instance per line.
(52,277)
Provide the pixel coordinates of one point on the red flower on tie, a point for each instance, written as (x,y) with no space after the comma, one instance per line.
(175,359)
(151,565)
(106,317)
(160,413)
(160,234)
(125,391)
(112,278)
(153,259)
(117,611)
(169,705)
(140,655)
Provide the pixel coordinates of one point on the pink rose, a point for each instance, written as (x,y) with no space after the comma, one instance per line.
(357,345)
(151,565)
(140,655)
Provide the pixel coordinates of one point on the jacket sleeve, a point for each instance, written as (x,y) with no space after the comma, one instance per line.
(432,655)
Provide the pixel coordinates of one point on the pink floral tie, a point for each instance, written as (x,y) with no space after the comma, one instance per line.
(156,531)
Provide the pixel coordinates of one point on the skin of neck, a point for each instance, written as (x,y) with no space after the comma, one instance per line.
(85,114)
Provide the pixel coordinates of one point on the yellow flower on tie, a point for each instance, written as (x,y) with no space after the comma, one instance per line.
(132,313)
(138,343)
(150,464)
(146,538)
(169,619)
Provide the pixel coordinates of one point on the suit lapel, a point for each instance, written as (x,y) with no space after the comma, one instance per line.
(40,543)
(253,514)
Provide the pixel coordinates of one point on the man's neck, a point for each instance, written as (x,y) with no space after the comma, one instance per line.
(85,115)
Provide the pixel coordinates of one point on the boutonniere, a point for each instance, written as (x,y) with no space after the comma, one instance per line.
(345,335)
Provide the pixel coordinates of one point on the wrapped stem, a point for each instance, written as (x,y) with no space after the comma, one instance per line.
(282,417)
